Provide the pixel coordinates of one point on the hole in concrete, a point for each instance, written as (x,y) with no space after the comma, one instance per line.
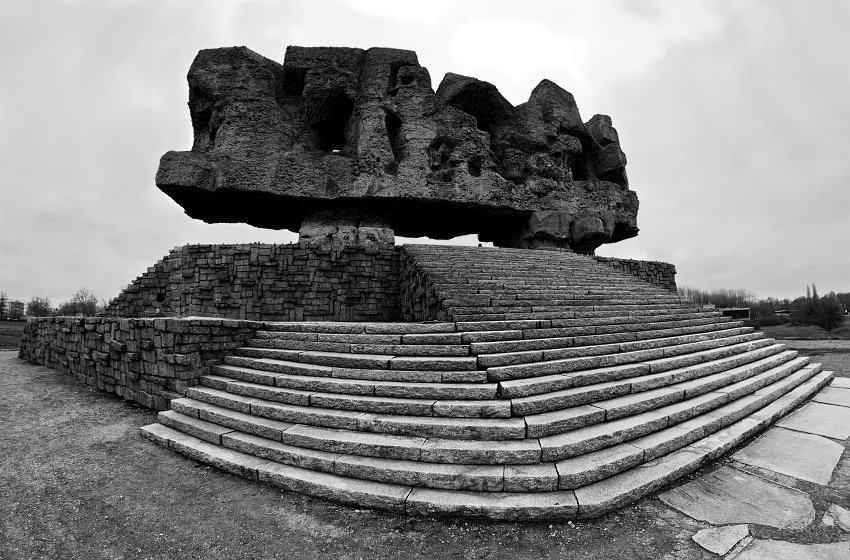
(483,102)
(393,124)
(204,126)
(331,129)
(474,166)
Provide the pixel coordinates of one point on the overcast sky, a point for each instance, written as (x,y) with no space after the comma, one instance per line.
(734,116)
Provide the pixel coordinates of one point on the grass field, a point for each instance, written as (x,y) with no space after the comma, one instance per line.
(809,332)
(10,334)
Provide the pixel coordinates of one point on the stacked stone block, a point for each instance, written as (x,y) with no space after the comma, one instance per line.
(149,361)
(656,273)
(297,282)
(258,282)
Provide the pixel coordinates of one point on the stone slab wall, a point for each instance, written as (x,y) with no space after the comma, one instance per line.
(261,282)
(149,361)
(418,299)
(658,273)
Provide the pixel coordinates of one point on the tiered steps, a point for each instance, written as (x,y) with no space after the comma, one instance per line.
(569,408)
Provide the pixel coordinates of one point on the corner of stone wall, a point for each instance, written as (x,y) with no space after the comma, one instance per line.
(658,273)
(419,298)
(149,361)
(268,282)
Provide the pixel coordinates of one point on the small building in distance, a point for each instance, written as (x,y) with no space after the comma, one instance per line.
(14,310)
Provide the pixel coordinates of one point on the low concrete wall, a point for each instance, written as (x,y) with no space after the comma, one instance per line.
(149,361)
(658,273)
(262,282)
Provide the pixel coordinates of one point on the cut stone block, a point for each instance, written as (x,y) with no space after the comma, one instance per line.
(766,549)
(728,496)
(494,505)
(721,540)
(362,493)
(804,456)
(821,419)
(834,395)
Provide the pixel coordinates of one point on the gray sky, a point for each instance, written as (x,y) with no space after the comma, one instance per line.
(734,116)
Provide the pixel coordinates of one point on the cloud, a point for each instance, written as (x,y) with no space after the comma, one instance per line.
(733,116)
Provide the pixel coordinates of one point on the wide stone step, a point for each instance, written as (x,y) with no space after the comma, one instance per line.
(598,436)
(638,375)
(558,298)
(588,335)
(659,359)
(421,426)
(565,313)
(652,348)
(329,327)
(311,395)
(366,361)
(600,309)
(612,492)
(602,325)
(286,375)
(364,493)
(637,341)
(703,378)
(591,499)
(583,296)
(430,350)
(279,361)
(535,350)
(367,444)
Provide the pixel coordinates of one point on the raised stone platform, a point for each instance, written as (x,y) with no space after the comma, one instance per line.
(554,387)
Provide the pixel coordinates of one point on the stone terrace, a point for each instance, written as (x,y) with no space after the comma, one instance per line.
(554,387)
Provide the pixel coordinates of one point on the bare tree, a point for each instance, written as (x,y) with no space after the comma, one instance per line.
(83,302)
(38,307)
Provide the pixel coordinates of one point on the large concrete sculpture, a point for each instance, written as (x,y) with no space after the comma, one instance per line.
(355,145)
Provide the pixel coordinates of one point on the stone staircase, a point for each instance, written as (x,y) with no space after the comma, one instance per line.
(559,388)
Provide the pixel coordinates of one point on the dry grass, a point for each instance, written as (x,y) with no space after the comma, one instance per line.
(10,334)
(808,332)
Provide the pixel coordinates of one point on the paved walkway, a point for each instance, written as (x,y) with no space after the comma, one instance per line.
(77,481)
(790,481)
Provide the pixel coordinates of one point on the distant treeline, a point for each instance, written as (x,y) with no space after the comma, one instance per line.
(83,302)
(827,311)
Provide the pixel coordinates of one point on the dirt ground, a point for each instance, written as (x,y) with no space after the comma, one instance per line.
(78,482)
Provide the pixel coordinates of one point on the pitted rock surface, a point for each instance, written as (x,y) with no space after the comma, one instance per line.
(341,139)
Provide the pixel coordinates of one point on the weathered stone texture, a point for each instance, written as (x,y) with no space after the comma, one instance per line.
(356,143)
(657,273)
(304,282)
(268,282)
(149,361)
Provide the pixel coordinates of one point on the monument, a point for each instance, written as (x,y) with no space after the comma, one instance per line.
(356,145)
(534,380)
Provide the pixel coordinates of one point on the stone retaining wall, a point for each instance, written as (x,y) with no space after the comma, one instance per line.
(418,300)
(262,282)
(658,273)
(149,361)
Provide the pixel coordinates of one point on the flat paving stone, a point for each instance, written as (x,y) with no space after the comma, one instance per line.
(821,419)
(728,496)
(804,456)
(834,395)
(837,515)
(721,540)
(843,382)
(766,549)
